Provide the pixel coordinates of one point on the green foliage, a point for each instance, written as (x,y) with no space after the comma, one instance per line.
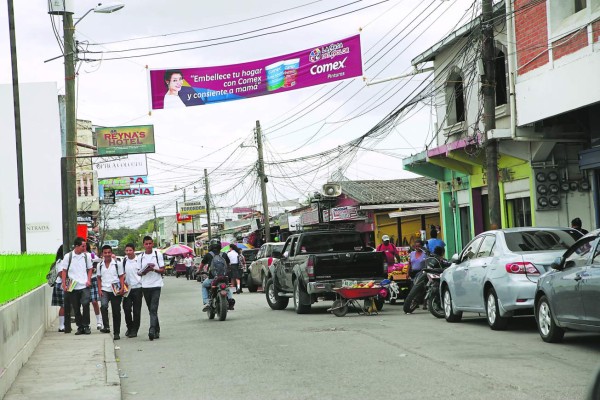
(22,273)
(130,235)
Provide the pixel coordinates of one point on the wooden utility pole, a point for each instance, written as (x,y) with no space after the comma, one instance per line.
(177,219)
(263,182)
(207,199)
(156,227)
(489,112)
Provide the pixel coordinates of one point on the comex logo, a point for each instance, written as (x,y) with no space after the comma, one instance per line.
(315,55)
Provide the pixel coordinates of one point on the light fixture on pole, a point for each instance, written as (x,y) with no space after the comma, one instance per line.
(65,8)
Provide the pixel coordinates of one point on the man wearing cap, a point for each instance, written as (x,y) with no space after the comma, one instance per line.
(390,251)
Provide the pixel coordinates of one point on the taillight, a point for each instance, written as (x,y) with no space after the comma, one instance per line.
(310,267)
(522,268)
(269,261)
(223,286)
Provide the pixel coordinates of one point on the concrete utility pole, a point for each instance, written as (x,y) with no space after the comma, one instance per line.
(263,181)
(207,199)
(17,114)
(176,219)
(70,220)
(489,112)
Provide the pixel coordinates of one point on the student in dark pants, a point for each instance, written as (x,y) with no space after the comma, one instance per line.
(132,304)
(151,266)
(110,276)
(76,281)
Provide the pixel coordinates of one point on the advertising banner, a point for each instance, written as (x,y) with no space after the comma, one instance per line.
(345,213)
(114,183)
(185,87)
(120,140)
(182,218)
(112,167)
(193,208)
(139,191)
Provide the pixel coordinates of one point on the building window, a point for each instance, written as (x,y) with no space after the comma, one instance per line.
(580,5)
(501,88)
(455,99)
(521,211)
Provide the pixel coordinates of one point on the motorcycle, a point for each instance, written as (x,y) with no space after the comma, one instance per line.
(217,298)
(426,289)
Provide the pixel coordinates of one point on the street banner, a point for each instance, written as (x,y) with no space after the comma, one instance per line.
(120,140)
(117,167)
(185,87)
(138,191)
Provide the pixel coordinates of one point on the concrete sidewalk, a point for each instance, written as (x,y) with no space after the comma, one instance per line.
(65,366)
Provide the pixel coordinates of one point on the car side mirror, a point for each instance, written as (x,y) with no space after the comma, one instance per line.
(556,264)
(569,264)
(455,259)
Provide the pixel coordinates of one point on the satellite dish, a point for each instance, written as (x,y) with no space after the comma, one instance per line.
(332,190)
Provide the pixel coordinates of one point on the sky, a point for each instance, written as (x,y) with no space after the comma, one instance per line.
(296,124)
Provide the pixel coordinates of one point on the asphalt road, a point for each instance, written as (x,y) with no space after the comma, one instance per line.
(258,353)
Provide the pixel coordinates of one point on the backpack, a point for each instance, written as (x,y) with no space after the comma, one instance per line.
(218,266)
(52,274)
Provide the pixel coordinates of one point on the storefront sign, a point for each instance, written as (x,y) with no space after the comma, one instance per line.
(346,213)
(108,197)
(310,217)
(114,183)
(139,191)
(193,208)
(125,140)
(38,227)
(112,167)
(180,88)
(182,218)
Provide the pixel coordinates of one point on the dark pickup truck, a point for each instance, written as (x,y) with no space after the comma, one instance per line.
(313,263)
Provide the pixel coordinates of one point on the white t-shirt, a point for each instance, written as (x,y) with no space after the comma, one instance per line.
(173,101)
(109,274)
(134,281)
(58,268)
(233,257)
(78,269)
(187,261)
(151,279)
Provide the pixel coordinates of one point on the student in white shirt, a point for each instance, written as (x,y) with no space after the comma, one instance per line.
(151,266)
(77,267)
(132,304)
(110,274)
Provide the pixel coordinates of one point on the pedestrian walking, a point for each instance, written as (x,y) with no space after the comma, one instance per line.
(76,274)
(132,304)
(94,295)
(151,266)
(234,267)
(111,287)
(58,295)
(188,266)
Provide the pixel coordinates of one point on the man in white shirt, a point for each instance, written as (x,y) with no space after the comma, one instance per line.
(151,266)
(188,266)
(234,267)
(132,304)
(111,277)
(76,271)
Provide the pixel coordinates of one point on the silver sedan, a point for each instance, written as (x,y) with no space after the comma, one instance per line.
(497,272)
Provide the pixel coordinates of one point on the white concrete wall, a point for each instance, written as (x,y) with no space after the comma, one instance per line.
(41,145)
(23,323)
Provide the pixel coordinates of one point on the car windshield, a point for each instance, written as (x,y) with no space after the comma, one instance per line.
(540,240)
(331,243)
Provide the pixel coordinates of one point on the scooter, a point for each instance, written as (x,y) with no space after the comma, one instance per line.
(217,298)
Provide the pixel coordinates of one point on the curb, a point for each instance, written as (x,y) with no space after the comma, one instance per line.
(110,363)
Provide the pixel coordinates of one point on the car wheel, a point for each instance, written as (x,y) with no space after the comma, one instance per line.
(549,331)
(495,321)
(301,298)
(250,284)
(275,302)
(449,313)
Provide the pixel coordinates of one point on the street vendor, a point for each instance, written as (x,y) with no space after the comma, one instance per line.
(390,251)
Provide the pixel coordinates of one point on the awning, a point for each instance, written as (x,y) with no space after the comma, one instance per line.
(407,213)
(398,205)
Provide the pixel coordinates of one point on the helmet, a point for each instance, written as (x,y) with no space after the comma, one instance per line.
(214,245)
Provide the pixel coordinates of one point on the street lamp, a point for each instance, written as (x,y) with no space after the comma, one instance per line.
(68,166)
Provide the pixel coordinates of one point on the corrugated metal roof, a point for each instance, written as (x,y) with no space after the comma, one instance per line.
(415,190)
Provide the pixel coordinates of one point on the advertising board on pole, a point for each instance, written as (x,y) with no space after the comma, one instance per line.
(121,140)
(113,167)
(184,87)
(193,208)
(138,191)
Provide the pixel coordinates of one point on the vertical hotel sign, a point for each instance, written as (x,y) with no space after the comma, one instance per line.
(122,140)
(330,62)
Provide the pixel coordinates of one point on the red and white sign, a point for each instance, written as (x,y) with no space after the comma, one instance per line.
(182,218)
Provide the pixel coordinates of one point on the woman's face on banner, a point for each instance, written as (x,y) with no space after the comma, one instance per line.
(175,83)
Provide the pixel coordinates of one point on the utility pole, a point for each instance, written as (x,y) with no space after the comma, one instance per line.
(489,112)
(70,219)
(176,219)
(207,199)
(185,241)
(263,181)
(17,114)
(156,227)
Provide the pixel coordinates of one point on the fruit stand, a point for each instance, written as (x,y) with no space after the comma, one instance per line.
(398,273)
(351,292)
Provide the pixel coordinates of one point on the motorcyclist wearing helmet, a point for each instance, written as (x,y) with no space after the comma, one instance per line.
(214,249)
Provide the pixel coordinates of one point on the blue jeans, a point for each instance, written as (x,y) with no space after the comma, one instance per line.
(205,286)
